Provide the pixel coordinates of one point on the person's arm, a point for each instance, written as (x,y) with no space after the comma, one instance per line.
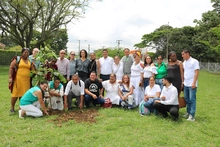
(90,93)
(81,101)
(99,68)
(120,93)
(195,78)
(181,71)
(11,69)
(40,99)
(101,92)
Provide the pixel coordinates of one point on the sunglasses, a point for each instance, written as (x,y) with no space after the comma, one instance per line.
(73,54)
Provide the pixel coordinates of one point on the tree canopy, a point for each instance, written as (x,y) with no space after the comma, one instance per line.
(20,18)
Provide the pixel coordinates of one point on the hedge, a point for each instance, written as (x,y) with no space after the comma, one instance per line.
(6,56)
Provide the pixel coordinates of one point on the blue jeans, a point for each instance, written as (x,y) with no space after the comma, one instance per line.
(89,99)
(190,98)
(146,82)
(149,104)
(160,83)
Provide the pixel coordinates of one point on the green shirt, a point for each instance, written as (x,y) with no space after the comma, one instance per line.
(29,97)
(161,70)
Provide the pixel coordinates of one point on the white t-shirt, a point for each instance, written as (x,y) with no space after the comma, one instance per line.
(152,91)
(149,70)
(111,91)
(106,65)
(171,95)
(136,69)
(118,70)
(77,89)
(189,67)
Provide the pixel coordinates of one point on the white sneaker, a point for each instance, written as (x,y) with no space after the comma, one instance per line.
(191,118)
(186,115)
(19,114)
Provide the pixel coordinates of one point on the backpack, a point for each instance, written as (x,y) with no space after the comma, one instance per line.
(143,110)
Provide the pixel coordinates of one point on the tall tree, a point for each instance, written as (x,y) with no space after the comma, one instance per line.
(20,18)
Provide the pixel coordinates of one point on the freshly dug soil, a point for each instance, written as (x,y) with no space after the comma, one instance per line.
(77,115)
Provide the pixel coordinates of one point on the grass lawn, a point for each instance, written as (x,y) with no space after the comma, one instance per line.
(116,127)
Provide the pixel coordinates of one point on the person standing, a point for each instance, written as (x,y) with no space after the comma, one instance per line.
(105,66)
(117,68)
(191,74)
(72,64)
(149,70)
(63,65)
(33,58)
(161,71)
(175,71)
(19,76)
(93,90)
(93,65)
(169,100)
(137,79)
(127,61)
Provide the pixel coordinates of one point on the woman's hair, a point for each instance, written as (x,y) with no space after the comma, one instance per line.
(145,62)
(81,52)
(24,49)
(170,54)
(113,75)
(42,83)
(152,78)
(56,78)
(128,80)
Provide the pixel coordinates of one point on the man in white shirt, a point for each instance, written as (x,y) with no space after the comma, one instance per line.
(63,65)
(169,100)
(105,66)
(191,73)
(74,89)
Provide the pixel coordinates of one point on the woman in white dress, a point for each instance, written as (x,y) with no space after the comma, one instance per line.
(111,88)
(149,70)
(137,78)
(117,68)
(125,91)
(56,93)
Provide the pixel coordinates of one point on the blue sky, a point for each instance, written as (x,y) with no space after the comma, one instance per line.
(127,20)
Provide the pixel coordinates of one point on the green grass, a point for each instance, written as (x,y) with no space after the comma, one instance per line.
(116,127)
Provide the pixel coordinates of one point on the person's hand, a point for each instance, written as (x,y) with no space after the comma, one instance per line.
(81,105)
(145,99)
(193,86)
(10,80)
(101,96)
(182,87)
(94,96)
(65,105)
(123,98)
(100,80)
(46,113)
(156,101)
(163,98)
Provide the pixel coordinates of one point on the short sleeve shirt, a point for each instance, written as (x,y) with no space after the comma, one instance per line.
(152,91)
(93,86)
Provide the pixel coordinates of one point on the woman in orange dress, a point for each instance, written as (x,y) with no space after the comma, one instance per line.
(21,81)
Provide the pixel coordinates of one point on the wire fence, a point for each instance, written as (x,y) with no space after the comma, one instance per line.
(211,67)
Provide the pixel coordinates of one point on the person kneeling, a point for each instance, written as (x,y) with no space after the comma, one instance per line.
(56,93)
(74,89)
(32,100)
(93,90)
(169,100)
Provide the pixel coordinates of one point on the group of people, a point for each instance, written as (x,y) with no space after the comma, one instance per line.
(128,82)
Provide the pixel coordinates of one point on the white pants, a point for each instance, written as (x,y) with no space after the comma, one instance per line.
(56,103)
(138,91)
(32,109)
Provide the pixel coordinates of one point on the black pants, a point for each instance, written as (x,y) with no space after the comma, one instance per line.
(172,109)
(83,76)
(104,77)
(70,96)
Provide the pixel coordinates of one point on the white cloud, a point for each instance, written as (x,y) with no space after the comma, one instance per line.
(127,20)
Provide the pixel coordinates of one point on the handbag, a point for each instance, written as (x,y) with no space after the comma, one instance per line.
(107,104)
(181,99)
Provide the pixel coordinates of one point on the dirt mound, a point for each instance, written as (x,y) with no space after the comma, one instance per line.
(78,116)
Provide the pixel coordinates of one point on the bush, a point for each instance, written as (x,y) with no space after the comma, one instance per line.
(6,56)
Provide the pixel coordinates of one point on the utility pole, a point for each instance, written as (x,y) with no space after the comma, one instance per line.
(118,42)
(103,47)
(88,48)
(79,44)
(167,43)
